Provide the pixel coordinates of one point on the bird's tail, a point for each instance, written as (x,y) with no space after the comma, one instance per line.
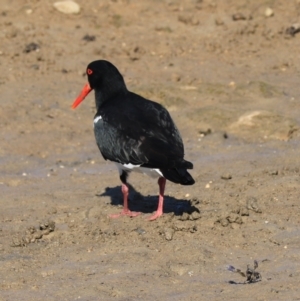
(178,175)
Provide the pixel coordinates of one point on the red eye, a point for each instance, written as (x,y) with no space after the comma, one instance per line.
(89,71)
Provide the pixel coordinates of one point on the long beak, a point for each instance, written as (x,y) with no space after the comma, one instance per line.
(84,92)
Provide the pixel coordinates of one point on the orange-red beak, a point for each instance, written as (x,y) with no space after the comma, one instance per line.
(85,91)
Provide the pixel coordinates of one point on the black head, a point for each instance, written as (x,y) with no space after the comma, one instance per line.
(105,79)
(103,73)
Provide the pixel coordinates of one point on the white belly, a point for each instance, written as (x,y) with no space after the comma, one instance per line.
(153,173)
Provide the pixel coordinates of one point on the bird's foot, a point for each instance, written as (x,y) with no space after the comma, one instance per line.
(126,213)
(157,214)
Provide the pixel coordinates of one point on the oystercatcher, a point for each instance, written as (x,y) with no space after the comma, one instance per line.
(136,133)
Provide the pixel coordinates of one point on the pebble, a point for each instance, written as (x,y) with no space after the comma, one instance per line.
(224,222)
(188,19)
(169,232)
(269,12)
(273,172)
(238,17)
(292,30)
(205,132)
(89,38)
(67,7)
(140,231)
(252,204)
(31,47)
(226,176)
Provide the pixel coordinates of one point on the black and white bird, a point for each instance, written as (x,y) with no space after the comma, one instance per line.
(136,133)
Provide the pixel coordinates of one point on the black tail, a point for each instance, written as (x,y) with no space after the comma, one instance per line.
(178,176)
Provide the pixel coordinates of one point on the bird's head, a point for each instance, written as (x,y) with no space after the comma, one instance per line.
(103,77)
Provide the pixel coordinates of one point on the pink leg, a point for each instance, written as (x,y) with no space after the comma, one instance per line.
(159,211)
(125,210)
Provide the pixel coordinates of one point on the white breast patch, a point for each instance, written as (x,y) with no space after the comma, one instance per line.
(97,119)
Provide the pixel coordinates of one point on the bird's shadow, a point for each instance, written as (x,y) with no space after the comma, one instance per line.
(147,204)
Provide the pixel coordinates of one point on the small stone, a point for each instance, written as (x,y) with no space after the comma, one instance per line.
(31,47)
(193,229)
(67,7)
(273,172)
(252,204)
(188,19)
(292,30)
(224,222)
(48,225)
(269,12)
(226,176)
(89,38)
(205,132)
(140,231)
(238,17)
(169,233)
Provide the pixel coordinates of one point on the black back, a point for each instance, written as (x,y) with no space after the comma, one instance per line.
(138,131)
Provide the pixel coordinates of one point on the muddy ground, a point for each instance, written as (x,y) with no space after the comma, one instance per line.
(228,72)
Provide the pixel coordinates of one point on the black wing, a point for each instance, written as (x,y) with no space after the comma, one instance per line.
(138,131)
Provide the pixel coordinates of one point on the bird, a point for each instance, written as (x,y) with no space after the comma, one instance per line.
(135,133)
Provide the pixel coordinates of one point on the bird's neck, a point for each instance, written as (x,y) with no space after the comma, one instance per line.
(109,91)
